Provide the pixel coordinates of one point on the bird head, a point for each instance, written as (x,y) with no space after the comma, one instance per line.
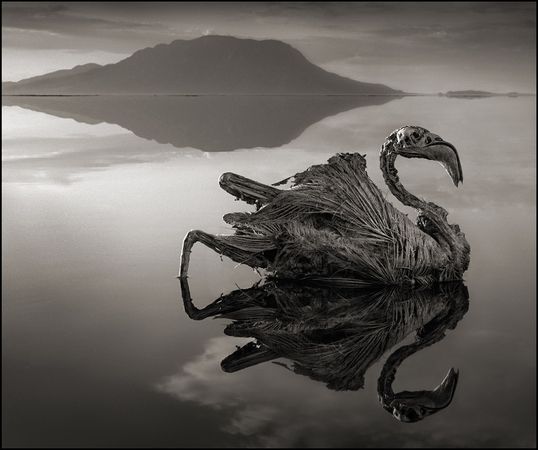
(417,142)
(414,406)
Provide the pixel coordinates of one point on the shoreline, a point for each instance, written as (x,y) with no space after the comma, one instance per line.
(269,95)
(211,95)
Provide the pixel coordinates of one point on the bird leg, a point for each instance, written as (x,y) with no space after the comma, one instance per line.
(246,249)
(235,301)
(250,191)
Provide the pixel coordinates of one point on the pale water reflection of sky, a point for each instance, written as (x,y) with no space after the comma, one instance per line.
(93,219)
(308,414)
(503,136)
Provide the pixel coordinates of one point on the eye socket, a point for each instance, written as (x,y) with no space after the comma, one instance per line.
(415,134)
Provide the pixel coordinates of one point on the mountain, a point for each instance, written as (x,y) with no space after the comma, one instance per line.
(205,65)
(57,75)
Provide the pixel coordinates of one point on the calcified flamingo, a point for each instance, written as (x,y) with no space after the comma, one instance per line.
(335,223)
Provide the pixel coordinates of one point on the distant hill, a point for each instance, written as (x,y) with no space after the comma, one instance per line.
(206,65)
(57,75)
(470,93)
(473,93)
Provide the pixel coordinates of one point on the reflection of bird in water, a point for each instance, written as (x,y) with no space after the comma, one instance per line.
(336,223)
(334,334)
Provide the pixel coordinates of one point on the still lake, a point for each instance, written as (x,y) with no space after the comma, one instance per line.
(97,195)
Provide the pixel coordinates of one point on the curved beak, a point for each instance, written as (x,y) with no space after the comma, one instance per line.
(447,155)
(443,394)
(413,406)
(441,151)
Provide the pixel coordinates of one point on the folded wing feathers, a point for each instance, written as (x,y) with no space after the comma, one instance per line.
(362,232)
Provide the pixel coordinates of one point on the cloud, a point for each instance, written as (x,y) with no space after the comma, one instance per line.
(478,39)
(271,407)
(46,27)
(58,19)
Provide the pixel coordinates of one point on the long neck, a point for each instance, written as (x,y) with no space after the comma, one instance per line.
(388,373)
(458,297)
(390,174)
(447,236)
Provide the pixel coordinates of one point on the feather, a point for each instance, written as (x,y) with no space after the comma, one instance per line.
(335,222)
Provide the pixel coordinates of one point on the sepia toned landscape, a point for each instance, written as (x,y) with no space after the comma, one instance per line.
(118,121)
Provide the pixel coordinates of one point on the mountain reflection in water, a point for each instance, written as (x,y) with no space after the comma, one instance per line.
(208,123)
(333,333)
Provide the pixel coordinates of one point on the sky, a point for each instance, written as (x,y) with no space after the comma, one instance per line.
(417,47)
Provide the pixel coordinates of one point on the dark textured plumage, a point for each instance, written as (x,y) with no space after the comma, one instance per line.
(335,223)
(333,334)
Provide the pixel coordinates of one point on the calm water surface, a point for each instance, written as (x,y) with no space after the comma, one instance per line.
(97,349)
